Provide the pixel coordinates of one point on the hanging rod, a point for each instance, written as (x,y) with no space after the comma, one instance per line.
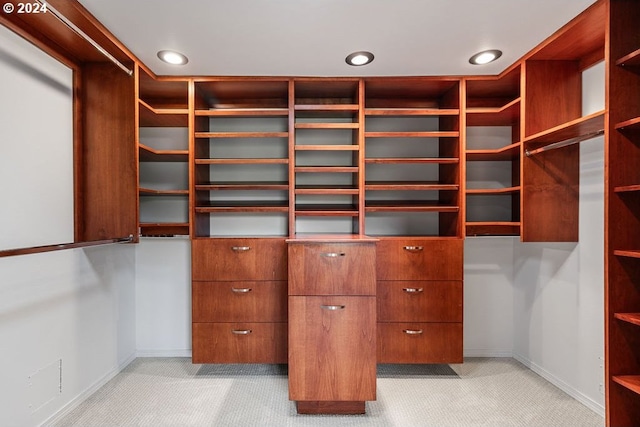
(84,35)
(62,246)
(564,143)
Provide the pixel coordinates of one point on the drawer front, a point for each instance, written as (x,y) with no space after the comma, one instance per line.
(419,301)
(257,301)
(420,259)
(239,342)
(238,259)
(419,343)
(332,269)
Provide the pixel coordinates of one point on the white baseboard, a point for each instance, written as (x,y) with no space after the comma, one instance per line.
(485,352)
(570,390)
(164,353)
(84,395)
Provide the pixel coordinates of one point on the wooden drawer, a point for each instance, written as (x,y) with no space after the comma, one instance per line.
(419,343)
(332,353)
(332,269)
(239,342)
(238,259)
(420,259)
(419,301)
(257,301)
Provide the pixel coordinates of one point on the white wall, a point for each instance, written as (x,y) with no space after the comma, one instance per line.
(74,308)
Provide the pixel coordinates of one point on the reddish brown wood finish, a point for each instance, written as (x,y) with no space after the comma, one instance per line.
(332,353)
(419,301)
(241,342)
(108,194)
(419,342)
(238,259)
(419,259)
(330,407)
(241,301)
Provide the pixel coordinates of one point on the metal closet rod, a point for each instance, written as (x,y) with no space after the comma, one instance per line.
(63,246)
(82,34)
(564,143)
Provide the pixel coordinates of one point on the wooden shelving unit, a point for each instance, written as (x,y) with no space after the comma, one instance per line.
(163,155)
(622,288)
(493,112)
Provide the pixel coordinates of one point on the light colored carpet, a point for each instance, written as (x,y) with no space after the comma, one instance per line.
(480,392)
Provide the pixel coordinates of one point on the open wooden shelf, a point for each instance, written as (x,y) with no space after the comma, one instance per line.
(418,134)
(633,318)
(507,153)
(326,169)
(162,117)
(327,107)
(401,112)
(405,160)
(241,206)
(152,192)
(409,206)
(630,60)
(243,112)
(327,147)
(627,253)
(492,191)
(631,124)
(327,125)
(575,128)
(242,185)
(627,189)
(208,135)
(492,228)
(631,382)
(164,229)
(242,161)
(505,115)
(409,185)
(326,189)
(148,154)
(326,210)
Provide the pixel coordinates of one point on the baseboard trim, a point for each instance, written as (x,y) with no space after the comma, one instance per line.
(164,353)
(570,390)
(84,395)
(482,352)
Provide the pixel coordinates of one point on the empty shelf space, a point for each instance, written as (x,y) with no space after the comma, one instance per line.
(627,253)
(632,382)
(327,147)
(509,152)
(326,210)
(630,60)
(492,228)
(577,128)
(400,160)
(241,161)
(327,107)
(326,169)
(490,191)
(208,135)
(326,189)
(628,317)
(631,124)
(148,154)
(627,188)
(237,185)
(244,112)
(420,134)
(152,192)
(239,206)
(410,185)
(399,112)
(494,116)
(162,117)
(327,125)
(409,206)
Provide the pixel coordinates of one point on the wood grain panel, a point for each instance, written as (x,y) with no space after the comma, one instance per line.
(238,259)
(420,259)
(419,342)
(419,301)
(264,301)
(332,269)
(239,342)
(332,352)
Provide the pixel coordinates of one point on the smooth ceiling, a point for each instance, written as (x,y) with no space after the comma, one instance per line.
(312,37)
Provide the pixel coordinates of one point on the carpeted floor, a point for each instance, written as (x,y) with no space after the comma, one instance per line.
(482,391)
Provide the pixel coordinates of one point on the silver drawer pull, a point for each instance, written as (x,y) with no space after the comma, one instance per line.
(333,254)
(413,248)
(412,331)
(240,248)
(413,290)
(332,307)
(241,290)
(241,331)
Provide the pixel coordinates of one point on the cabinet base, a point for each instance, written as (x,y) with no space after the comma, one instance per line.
(330,407)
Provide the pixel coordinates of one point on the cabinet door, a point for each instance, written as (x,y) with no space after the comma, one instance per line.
(420,259)
(239,259)
(332,353)
(332,269)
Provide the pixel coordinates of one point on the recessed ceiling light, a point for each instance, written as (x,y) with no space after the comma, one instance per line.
(359,58)
(172,57)
(485,57)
